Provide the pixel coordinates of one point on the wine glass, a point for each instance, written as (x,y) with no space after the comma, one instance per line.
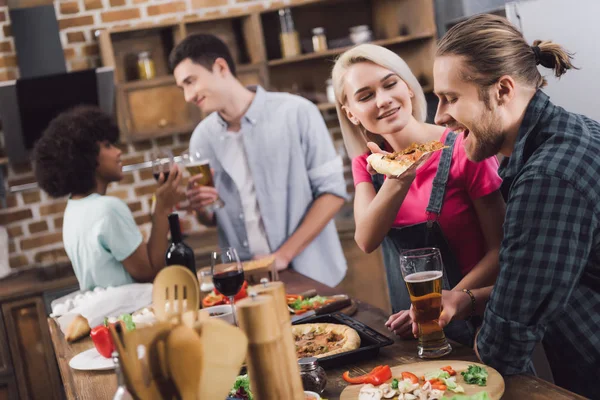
(195,165)
(422,270)
(228,274)
(162,161)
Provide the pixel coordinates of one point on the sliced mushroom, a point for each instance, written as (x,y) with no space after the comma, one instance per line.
(388,392)
(436,394)
(370,392)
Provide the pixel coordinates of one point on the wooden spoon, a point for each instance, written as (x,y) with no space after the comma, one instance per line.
(175,291)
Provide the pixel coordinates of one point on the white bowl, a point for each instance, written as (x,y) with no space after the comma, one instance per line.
(224,312)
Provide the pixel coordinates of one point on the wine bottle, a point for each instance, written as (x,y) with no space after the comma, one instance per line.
(178,252)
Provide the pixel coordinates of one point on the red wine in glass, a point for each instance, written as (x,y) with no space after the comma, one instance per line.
(157,175)
(229,283)
(228,274)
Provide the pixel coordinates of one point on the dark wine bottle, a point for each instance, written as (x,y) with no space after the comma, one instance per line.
(178,252)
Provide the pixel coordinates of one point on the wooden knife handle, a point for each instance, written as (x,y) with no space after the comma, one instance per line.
(334,306)
(308,293)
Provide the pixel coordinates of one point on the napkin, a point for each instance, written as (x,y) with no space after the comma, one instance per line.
(112,302)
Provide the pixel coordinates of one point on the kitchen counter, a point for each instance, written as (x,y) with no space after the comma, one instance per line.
(83,385)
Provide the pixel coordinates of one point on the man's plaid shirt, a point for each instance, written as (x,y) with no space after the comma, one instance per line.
(549,284)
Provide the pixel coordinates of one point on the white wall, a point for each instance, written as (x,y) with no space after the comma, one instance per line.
(574,25)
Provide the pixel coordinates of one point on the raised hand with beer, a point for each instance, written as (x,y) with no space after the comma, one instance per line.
(201,192)
(423,270)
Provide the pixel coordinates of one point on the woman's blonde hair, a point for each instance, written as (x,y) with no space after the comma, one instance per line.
(356,137)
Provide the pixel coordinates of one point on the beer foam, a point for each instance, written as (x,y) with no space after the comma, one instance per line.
(424,276)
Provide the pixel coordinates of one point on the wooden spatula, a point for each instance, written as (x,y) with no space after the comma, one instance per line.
(175,291)
(224,349)
(143,362)
(184,355)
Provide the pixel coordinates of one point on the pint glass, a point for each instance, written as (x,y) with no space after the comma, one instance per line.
(423,270)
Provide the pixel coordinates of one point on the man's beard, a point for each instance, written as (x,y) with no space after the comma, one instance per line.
(487,141)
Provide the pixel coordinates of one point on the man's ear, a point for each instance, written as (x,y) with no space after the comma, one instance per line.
(220,67)
(350,116)
(504,90)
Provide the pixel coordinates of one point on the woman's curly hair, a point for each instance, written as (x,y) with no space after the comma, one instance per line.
(66,154)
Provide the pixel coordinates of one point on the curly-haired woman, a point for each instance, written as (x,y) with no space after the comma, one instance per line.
(77,156)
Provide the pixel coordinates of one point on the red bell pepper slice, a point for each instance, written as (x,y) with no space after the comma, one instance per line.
(377,376)
(410,376)
(213,300)
(102,340)
(449,370)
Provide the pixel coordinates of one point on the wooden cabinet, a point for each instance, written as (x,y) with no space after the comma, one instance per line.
(154,108)
(407,27)
(8,389)
(34,364)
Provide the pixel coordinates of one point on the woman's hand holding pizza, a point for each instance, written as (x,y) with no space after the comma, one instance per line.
(400,165)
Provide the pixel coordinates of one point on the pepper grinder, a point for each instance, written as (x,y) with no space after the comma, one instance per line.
(268,368)
(276,290)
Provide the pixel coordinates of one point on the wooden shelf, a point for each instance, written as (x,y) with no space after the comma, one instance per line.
(248,67)
(340,50)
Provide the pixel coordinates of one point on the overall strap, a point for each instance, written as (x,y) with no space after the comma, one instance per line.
(436,200)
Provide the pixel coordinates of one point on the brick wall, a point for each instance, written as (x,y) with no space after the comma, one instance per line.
(33,219)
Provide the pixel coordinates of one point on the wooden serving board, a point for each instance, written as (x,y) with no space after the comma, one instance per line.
(494,388)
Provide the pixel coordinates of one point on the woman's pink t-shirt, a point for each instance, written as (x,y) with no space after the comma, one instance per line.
(467,181)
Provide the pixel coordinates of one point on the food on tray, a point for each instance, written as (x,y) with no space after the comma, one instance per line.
(300,305)
(214,298)
(379,384)
(77,329)
(395,164)
(322,340)
(475,375)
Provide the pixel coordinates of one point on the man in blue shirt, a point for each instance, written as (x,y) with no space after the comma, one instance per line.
(548,289)
(275,166)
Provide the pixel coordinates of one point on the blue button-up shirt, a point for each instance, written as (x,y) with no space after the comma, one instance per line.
(548,288)
(292,161)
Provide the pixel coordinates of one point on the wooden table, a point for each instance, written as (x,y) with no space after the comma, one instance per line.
(100,385)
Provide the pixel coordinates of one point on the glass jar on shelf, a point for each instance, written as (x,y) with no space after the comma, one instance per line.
(146,68)
(289,39)
(319,40)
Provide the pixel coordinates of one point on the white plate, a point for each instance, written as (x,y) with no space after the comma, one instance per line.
(91,360)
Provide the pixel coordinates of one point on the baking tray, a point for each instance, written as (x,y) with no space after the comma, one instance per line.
(370,340)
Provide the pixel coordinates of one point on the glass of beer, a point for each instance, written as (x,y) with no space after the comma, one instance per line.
(196,165)
(422,270)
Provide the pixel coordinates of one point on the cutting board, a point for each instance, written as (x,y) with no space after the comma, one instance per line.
(494,388)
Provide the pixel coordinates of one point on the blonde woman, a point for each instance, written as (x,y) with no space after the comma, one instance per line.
(380,103)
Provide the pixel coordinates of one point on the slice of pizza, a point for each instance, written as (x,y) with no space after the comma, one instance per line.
(395,164)
(322,340)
